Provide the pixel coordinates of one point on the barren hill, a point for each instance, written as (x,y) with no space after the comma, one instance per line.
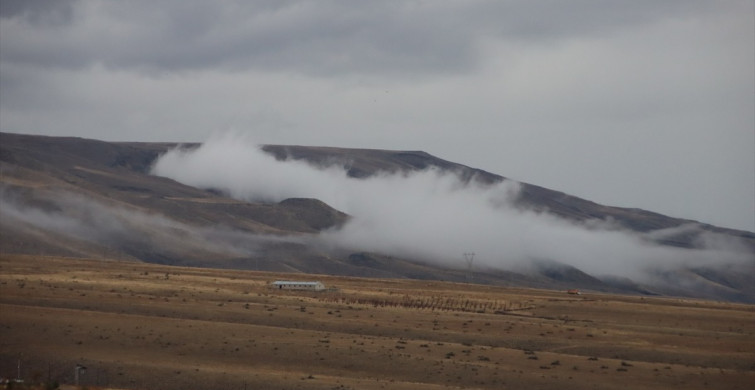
(87,198)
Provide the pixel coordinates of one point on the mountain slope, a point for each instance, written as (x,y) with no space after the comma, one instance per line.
(87,198)
(361,163)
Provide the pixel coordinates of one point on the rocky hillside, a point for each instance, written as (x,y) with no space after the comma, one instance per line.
(87,198)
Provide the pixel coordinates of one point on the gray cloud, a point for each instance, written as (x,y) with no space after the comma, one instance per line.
(626,103)
(39,12)
(322,38)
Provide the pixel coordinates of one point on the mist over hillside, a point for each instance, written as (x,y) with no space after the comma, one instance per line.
(231,203)
(434,215)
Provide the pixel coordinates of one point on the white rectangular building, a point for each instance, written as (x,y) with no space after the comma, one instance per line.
(297,285)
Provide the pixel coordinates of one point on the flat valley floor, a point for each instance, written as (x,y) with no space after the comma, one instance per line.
(142,326)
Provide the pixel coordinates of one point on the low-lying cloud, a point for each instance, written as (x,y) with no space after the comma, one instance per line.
(434,217)
(127,230)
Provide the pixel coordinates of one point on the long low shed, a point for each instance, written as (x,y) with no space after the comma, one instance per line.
(297,285)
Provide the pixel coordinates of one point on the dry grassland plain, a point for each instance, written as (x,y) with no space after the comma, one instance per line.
(142,326)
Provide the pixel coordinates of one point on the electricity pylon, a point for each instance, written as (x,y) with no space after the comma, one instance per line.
(469,259)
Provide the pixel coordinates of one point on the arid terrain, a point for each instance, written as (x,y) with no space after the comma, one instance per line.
(82,198)
(145,326)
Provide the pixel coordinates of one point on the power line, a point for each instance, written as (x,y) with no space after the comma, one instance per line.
(469,259)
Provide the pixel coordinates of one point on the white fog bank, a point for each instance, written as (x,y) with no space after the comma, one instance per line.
(433,216)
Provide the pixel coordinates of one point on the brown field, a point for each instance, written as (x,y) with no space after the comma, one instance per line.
(140,326)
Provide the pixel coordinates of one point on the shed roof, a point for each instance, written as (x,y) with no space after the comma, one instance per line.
(286,282)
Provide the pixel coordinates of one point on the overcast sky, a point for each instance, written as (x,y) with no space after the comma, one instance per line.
(646,104)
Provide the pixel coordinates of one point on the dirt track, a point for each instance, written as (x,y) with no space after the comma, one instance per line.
(138,326)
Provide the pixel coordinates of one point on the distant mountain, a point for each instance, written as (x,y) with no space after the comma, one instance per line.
(87,198)
(367,162)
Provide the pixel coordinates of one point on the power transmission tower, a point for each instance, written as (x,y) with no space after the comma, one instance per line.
(469,259)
